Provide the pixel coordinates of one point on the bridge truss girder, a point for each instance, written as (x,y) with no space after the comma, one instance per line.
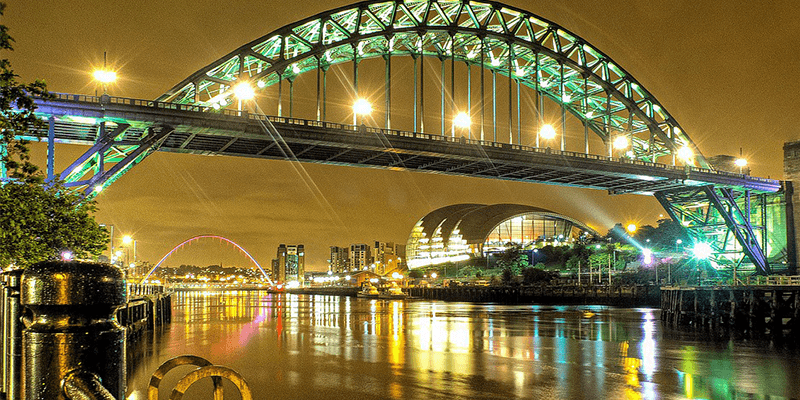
(116,149)
(723,218)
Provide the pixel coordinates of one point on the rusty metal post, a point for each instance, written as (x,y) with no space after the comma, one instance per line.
(12,335)
(74,329)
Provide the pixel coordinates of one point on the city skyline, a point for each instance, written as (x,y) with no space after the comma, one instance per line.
(170,197)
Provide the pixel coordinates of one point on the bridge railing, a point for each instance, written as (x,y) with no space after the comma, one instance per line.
(776,280)
(136,290)
(393,132)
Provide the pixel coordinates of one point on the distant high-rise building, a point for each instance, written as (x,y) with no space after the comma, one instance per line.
(383,254)
(290,264)
(360,257)
(340,259)
(388,257)
(400,252)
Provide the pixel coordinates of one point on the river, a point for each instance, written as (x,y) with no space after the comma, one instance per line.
(327,347)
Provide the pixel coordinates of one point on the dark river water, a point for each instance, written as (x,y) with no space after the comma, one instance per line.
(325,347)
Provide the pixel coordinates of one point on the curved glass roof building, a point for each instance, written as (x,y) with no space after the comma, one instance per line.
(460,231)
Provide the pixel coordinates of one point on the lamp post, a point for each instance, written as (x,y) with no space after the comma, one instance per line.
(741,163)
(547,132)
(127,241)
(620,143)
(361,108)
(104,76)
(244,92)
(463,121)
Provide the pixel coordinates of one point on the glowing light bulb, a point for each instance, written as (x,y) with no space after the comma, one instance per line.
(362,107)
(244,91)
(462,120)
(547,131)
(702,250)
(685,153)
(104,76)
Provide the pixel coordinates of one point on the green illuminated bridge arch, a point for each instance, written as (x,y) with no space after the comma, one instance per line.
(508,41)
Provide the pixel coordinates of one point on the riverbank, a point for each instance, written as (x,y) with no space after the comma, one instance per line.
(622,296)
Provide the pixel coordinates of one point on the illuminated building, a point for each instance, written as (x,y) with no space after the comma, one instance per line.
(460,231)
(388,257)
(290,264)
(340,259)
(360,257)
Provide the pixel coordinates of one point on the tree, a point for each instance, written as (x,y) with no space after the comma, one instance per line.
(16,114)
(507,276)
(37,222)
(532,275)
(513,259)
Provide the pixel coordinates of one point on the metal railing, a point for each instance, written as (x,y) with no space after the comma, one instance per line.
(775,280)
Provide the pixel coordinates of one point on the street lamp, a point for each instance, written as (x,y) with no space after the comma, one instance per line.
(547,132)
(741,163)
(631,228)
(243,91)
(685,153)
(677,243)
(621,142)
(127,240)
(702,250)
(105,75)
(361,108)
(462,120)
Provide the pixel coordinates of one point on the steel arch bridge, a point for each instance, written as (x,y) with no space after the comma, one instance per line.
(190,240)
(524,47)
(741,217)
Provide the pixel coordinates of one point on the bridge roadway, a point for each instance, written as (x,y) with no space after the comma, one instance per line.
(198,130)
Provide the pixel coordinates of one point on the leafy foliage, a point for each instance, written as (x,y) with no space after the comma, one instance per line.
(36,222)
(513,259)
(534,275)
(16,115)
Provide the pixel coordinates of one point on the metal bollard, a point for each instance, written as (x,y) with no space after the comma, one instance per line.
(12,335)
(74,330)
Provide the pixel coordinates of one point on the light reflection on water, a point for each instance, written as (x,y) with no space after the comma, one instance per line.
(326,347)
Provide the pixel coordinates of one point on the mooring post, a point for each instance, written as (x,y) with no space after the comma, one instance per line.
(12,336)
(74,341)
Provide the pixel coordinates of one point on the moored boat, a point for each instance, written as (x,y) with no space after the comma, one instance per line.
(369,292)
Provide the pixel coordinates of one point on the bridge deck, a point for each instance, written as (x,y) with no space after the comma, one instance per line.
(233,133)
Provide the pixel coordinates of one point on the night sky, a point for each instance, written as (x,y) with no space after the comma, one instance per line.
(727,71)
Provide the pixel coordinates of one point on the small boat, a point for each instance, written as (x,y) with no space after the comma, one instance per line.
(368,292)
(393,292)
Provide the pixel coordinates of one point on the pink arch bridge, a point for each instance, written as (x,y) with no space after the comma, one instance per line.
(187,241)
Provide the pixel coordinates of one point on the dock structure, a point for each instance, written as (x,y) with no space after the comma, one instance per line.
(768,306)
(622,295)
